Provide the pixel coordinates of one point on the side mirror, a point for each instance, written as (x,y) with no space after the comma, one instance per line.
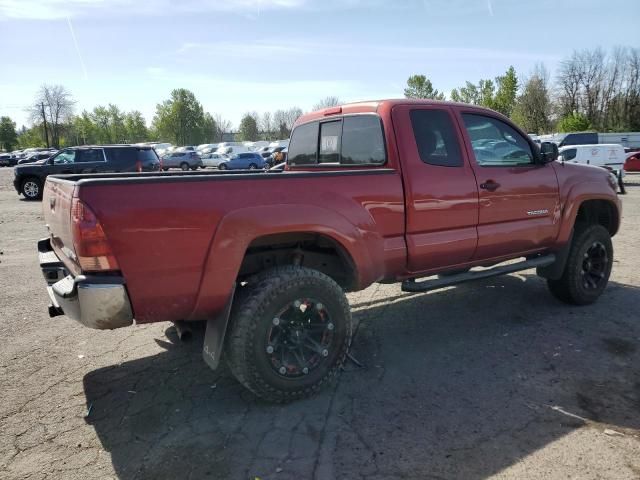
(548,152)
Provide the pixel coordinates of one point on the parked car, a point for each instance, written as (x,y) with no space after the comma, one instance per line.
(243,161)
(34,157)
(5,159)
(182,159)
(213,159)
(29,179)
(632,163)
(389,191)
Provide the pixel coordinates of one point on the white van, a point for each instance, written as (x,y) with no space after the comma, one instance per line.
(611,156)
(231,148)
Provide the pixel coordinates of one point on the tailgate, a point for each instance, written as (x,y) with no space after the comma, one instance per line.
(56,206)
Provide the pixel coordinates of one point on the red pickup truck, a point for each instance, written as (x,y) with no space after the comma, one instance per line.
(418,192)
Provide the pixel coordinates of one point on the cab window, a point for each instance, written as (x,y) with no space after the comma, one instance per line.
(569,154)
(496,144)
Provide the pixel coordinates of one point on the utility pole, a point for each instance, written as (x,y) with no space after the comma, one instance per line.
(44,121)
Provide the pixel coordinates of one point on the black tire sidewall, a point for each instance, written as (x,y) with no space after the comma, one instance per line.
(577,292)
(252,315)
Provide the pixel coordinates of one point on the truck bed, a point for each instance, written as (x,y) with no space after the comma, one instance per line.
(162,227)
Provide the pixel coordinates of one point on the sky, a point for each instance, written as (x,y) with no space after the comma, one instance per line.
(262,55)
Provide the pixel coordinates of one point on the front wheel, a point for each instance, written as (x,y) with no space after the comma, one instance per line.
(31,189)
(588,267)
(289,333)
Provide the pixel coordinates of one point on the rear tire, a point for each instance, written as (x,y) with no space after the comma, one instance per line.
(222,166)
(184,166)
(31,189)
(588,267)
(252,166)
(289,333)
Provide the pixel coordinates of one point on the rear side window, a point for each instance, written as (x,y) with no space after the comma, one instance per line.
(147,155)
(362,141)
(436,138)
(122,156)
(569,154)
(304,145)
(93,155)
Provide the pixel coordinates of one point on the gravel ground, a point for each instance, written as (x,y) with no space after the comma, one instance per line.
(491,380)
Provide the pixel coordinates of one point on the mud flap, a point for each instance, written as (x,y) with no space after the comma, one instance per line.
(214,334)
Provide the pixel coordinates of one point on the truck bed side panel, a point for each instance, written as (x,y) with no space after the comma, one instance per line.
(162,231)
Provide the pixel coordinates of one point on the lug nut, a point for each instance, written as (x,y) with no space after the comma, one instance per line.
(305,370)
(325,352)
(319,306)
(276,321)
(269,349)
(282,370)
(330,326)
(297,304)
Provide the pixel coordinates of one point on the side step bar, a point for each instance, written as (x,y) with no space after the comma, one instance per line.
(412,286)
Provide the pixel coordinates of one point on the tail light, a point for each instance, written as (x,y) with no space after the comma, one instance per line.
(90,242)
(139,166)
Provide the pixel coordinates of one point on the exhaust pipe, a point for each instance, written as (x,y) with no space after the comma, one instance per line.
(183,330)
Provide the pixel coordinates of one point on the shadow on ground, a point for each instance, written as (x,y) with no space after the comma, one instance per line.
(460,383)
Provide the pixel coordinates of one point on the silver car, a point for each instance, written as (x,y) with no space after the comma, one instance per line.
(213,159)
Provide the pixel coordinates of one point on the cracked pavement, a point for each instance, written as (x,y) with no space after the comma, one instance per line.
(488,380)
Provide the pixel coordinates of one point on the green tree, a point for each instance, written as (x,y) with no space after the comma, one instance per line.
(248,130)
(135,127)
(8,134)
(507,91)
(466,94)
(533,106)
(180,119)
(574,122)
(419,86)
(31,137)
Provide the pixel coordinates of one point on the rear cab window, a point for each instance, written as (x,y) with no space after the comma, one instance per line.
(352,140)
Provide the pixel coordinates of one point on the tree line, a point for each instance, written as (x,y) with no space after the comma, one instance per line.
(592,90)
(180,119)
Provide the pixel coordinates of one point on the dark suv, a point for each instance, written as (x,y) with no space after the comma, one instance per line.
(30,178)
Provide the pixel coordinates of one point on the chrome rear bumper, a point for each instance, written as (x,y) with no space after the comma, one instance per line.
(98,302)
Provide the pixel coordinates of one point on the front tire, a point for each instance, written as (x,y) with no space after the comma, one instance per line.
(289,333)
(588,267)
(31,188)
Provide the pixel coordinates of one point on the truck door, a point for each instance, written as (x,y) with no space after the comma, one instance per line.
(441,194)
(519,201)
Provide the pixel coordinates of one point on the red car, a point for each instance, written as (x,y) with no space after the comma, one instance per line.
(393,191)
(632,164)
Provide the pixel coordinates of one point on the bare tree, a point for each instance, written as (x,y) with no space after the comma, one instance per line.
(54,106)
(284,120)
(327,102)
(222,126)
(266,125)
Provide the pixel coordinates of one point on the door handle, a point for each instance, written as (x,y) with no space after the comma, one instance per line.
(490,185)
